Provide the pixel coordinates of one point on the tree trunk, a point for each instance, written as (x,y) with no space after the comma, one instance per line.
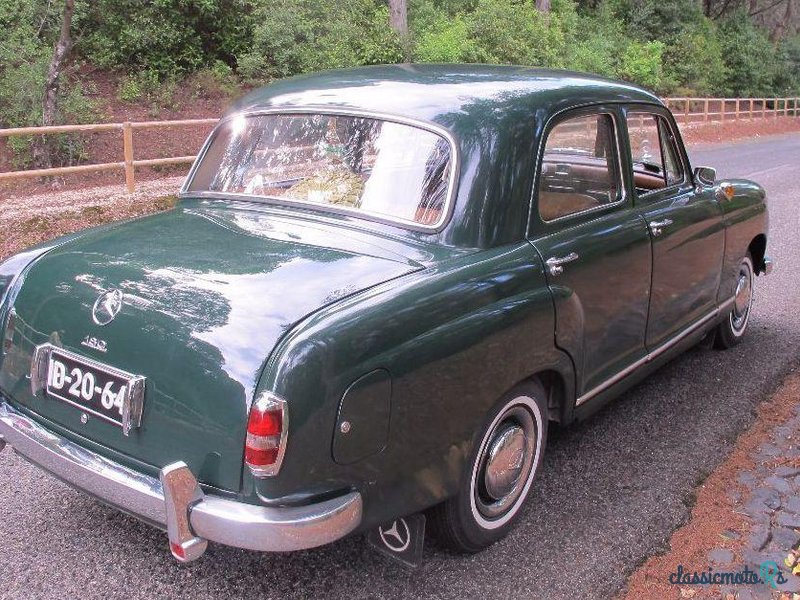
(41,149)
(398,16)
(784,25)
(543,6)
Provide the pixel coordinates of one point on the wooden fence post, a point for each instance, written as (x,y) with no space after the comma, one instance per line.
(686,110)
(722,110)
(705,110)
(127,145)
(737,109)
(751,109)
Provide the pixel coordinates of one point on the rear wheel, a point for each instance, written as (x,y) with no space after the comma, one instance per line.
(508,452)
(732,329)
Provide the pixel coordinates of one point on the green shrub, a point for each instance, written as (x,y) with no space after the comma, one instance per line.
(749,57)
(298,36)
(642,64)
(446,40)
(511,32)
(129,90)
(169,37)
(25,51)
(214,82)
(694,62)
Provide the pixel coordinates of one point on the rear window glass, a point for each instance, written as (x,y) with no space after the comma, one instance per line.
(381,167)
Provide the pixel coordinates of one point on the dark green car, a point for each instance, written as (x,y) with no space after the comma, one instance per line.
(378,288)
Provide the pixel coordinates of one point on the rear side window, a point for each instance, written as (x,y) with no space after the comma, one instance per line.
(580,167)
(654,154)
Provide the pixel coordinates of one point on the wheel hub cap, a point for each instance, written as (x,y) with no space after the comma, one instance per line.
(505,462)
(742,297)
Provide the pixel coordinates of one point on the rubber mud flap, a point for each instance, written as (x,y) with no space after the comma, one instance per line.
(402,540)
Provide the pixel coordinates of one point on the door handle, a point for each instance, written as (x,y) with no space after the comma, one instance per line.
(657,227)
(556,264)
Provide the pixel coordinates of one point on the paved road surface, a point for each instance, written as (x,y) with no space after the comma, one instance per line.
(611,492)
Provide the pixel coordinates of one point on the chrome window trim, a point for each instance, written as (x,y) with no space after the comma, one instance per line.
(683,185)
(435,128)
(652,355)
(548,128)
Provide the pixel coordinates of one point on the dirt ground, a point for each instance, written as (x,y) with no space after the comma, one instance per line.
(28,220)
(717,519)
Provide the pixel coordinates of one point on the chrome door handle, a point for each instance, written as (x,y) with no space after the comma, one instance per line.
(556,264)
(657,227)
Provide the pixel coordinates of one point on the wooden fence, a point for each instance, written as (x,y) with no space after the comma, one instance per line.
(703,110)
(128,165)
(686,111)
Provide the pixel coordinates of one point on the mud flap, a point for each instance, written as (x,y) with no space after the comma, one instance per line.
(402,539)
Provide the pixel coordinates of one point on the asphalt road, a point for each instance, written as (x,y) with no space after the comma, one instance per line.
(611,492)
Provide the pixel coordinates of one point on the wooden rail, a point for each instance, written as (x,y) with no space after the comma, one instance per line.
(686,110)
(703,110)
(128,164)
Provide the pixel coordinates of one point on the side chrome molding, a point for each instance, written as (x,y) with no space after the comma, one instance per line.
(650,356)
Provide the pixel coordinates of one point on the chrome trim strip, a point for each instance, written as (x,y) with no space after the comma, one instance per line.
(650,356)
(217,519)
(455,159)
(768,265)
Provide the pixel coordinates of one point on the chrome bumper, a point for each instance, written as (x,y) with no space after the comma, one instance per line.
(175,502)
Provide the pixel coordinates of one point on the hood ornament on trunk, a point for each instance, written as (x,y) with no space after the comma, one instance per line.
(106,307)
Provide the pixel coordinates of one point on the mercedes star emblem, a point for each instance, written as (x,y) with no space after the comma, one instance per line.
(106,307)
(397,537)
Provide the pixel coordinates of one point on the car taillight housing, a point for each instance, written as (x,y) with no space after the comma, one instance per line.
(267,427)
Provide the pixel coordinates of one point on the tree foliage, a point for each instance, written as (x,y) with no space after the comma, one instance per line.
(685,46)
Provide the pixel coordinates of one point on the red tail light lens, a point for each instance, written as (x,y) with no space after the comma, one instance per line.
(266,435)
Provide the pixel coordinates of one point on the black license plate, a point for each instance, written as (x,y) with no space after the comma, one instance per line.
(95,388)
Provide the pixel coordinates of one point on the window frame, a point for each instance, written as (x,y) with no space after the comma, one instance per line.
(554,121)
(663,116)
(434,128)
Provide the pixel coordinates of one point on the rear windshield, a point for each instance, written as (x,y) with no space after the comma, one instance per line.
(384,168)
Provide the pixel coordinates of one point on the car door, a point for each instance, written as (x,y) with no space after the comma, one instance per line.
(685,225)
(595,245)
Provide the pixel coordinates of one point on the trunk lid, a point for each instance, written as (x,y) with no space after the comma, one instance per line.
(208,290)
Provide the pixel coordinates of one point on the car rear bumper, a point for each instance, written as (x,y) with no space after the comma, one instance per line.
(175,501)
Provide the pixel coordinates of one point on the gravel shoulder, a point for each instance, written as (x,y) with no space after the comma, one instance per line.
(745,514)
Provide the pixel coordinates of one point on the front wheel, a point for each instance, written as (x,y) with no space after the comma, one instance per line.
(732,329)
(508,452)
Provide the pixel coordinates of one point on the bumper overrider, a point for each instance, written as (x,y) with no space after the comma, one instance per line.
(175,501)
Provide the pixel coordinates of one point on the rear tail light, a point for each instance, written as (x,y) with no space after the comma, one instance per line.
(267,427)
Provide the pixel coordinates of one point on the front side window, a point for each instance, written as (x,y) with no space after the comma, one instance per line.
(579,170)
(388,169)
(656,164)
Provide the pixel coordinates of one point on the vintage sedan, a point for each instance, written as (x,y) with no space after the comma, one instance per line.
(379,287)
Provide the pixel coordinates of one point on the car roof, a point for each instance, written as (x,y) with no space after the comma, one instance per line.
(439,93)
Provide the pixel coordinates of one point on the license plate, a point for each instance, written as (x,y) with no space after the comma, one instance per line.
(106,392)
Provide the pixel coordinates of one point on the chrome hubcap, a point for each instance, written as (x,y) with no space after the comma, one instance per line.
(506,463)
(742,298)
